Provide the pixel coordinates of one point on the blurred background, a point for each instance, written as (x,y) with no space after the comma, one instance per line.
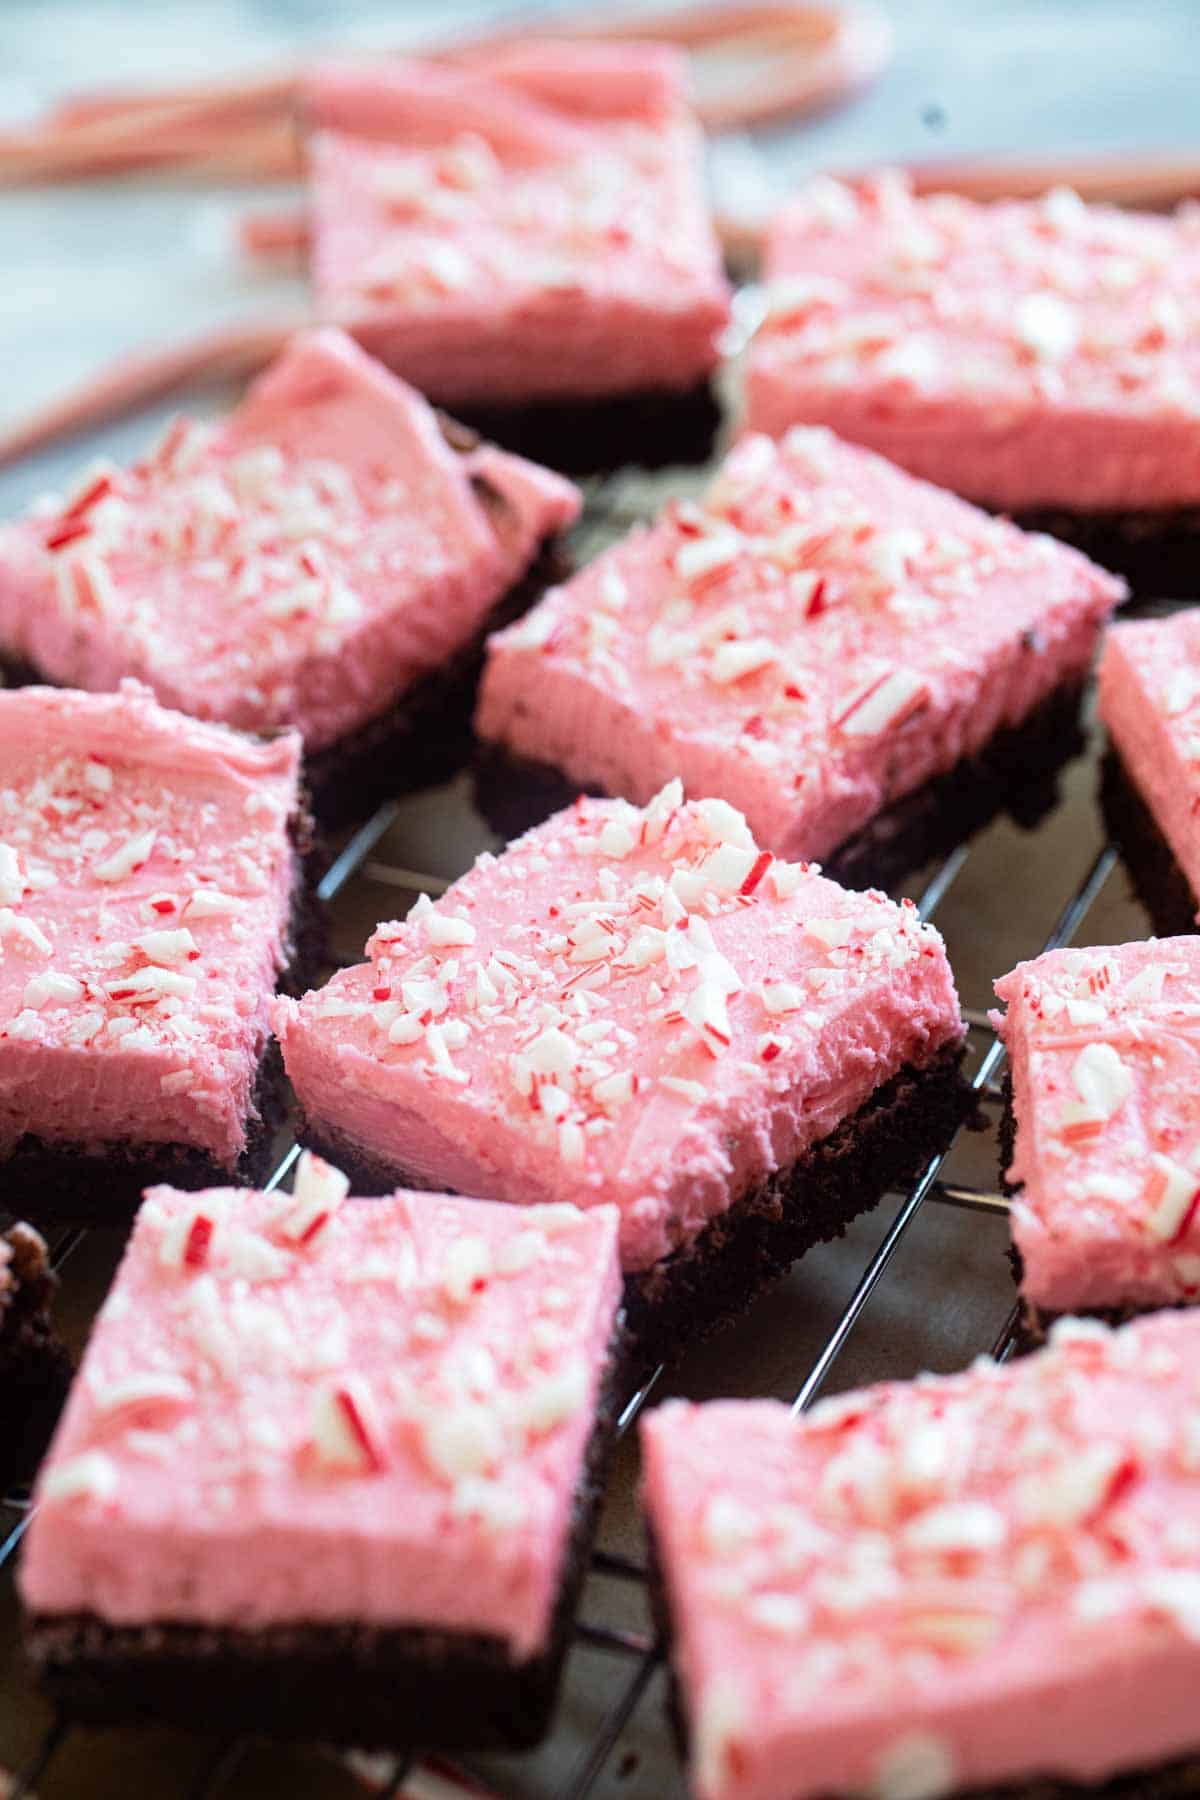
(84,277)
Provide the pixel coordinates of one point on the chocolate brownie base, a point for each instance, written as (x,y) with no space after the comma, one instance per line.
(749,1248)
(368,1686)
(425,737)
(752,1245)
(1167,1781)
(35,1369)
(647,430)
(1015,772)
(48,1180)
(1157,552)
(1157,879)
(102,1185)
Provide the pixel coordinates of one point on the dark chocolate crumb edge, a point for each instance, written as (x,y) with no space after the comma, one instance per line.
(425,737)
(1015,772)
(47,1180)
(1158,552)
(368,1686)
(1158,881)
(35,1368)
(751,1246)
(1166,1781)
(650,429)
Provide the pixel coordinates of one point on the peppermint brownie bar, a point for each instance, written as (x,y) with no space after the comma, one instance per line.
(525,236)
(835,648)
(986,1584)
(151,901)
(1104,1047)
(330,1468)
(1039,357)
(328,559)
(641,1007)
(1149,694)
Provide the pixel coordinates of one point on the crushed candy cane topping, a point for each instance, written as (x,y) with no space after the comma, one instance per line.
(780,637)
(631,974)
(106,940)
(417,226)
(648,917)
(414,1360)
(326,518)
(945,297)
(903,1547)
(1105,1045)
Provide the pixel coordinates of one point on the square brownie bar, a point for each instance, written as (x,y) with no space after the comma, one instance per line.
(639,1007)
(1104,1048)
(35,1369)
(1041,357)
(1150,705)
(525,236)
(150,894)
(820,642)
(987,1583)
(330,1468)
(328,559)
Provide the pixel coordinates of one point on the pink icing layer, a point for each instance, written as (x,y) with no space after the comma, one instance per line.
(530,227)
(302,565)
(1105,1053)
(821,636)
(1025,353)
(384,1421)
(1150,703)
(146,874)
(628,1007)
(930,1587)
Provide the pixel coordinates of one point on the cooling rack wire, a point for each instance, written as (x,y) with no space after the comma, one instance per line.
(613,504)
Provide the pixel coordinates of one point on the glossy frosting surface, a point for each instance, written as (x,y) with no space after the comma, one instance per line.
(1150,705)
(1025,353)
(146,877)
(332,1409)
(300,565)
(821,636)
(925,1588)
(628,1006)
(1105,1052)
(532,226)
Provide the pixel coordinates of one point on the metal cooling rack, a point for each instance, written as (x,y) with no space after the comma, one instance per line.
(366,860)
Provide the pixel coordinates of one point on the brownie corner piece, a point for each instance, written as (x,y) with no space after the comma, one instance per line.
(35,1366)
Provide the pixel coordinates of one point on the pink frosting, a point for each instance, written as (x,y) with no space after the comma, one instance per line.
(821,636)
(382,1420)
(530,227)
(1105,1053)
(1025,353)
(634,1007)
(931,1587)
(1150,703)
(146,874)
(303,565)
